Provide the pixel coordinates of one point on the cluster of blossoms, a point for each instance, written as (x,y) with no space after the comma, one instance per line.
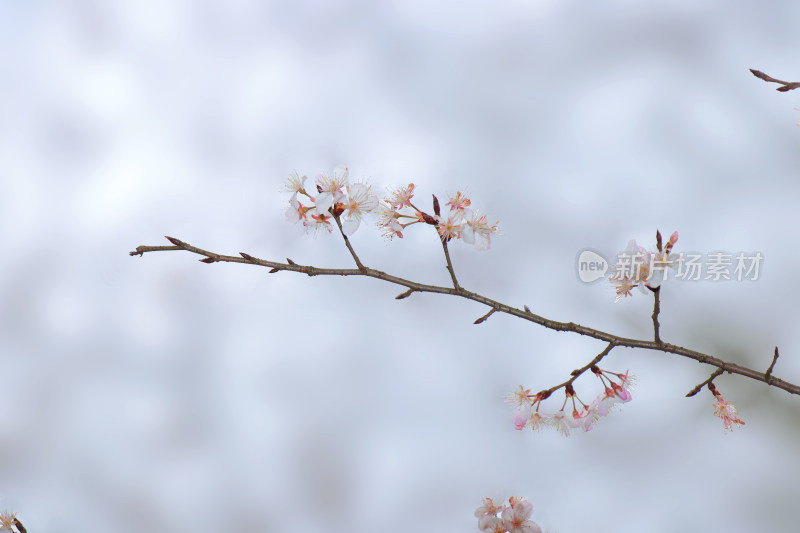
(511,518)
(638,267)
(725,410)
(527,413)
(397,213)
(334,196)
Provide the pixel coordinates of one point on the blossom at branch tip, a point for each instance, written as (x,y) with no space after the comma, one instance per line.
(459,202)
(401,197)
(330,188)
(638,267)
(727,412)
(476,231)
(516,517)
(449,227)
(358,202)
(333,197)
(8,521)
(513,518)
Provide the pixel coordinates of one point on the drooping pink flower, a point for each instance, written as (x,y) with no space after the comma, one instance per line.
(522,416)
(320,221)
(727,412)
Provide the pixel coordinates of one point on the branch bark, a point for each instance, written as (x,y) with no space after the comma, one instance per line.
(785,85)
(525,314)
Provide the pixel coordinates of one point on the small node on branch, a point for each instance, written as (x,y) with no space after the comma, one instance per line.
(174,241)
(527,309)
(246,256)
(406,294)
(273,270)
(484,317)
(290,261)
(208,260)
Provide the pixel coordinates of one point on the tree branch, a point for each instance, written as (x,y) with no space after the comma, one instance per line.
(785,85)
(578,372)
(615,340)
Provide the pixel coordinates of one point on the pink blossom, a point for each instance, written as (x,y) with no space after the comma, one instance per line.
(487,508)
(515,517)
(637,267)
(330,188)
(401,197)
(459,202)
(522,416)
(476,230)
(727,412)
(321,221)
(358,202)
(389,222)
(450,227)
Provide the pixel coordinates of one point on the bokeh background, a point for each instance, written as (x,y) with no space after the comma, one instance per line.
(160,394)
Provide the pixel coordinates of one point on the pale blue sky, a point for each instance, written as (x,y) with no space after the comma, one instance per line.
(161,394)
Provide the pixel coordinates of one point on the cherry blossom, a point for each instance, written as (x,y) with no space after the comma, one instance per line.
(389,222)
(334,197)
(727,412)
(401,197)
(8,521)
(450,227)
(476,230)
(516,517)
(359,201)
(330,188)
(638,267)
(616,389)
(513,518)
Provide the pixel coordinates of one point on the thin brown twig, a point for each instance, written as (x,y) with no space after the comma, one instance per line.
(785,85)
(732,368)
(452,272)
(578,372)
(768,373)
(656,311)
(484,317)
(715,374)
(347,243)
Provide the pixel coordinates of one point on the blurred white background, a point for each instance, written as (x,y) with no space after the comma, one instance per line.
(160,394)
